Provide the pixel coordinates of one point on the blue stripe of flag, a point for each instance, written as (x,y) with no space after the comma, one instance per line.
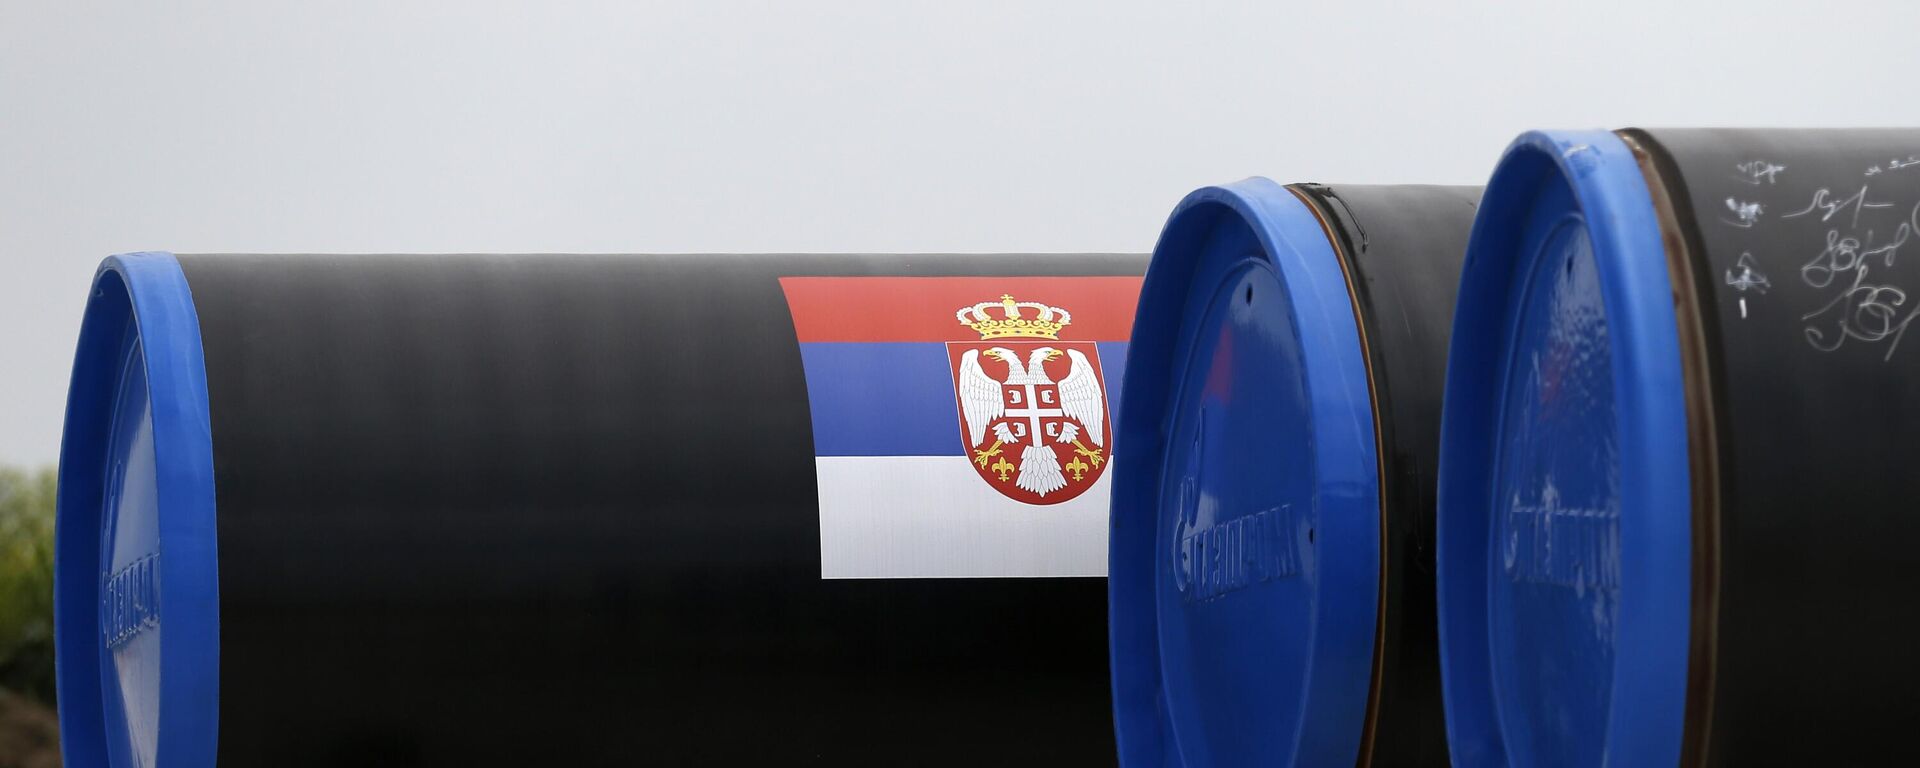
(896,398)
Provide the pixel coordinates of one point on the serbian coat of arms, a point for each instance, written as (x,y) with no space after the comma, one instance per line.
(1033,408)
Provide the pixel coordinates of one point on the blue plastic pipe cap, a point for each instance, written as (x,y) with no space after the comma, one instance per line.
(136,607)
(1564,521)
(1244,574)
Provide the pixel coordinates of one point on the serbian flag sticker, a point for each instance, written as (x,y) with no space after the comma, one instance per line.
(962,426)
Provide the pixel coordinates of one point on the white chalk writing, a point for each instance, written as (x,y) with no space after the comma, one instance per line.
(1756,172)
(1823,200)
(1858,297)
(1745,214)
(1748,278)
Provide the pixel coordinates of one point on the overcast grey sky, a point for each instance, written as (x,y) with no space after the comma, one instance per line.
(874,126)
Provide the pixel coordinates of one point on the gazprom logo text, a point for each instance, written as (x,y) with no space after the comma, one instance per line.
(130,601)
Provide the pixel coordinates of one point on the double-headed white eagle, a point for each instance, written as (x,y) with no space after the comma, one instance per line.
(982,402)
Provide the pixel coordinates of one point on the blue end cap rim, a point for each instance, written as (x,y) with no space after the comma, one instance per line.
(144,294)
(1645,716)
(1293,240)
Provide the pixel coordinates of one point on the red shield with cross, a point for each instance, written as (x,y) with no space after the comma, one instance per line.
(1033,408)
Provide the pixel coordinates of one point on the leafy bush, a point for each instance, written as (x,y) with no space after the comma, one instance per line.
(26,581)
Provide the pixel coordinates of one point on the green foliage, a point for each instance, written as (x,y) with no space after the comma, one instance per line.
(26,581)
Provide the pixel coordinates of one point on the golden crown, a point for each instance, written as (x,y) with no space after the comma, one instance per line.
(1045,323)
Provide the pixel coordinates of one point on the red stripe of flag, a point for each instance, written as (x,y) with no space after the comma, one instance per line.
(923,308)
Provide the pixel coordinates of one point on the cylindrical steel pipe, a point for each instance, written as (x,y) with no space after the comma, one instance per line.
(585,510)
(1677,483)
